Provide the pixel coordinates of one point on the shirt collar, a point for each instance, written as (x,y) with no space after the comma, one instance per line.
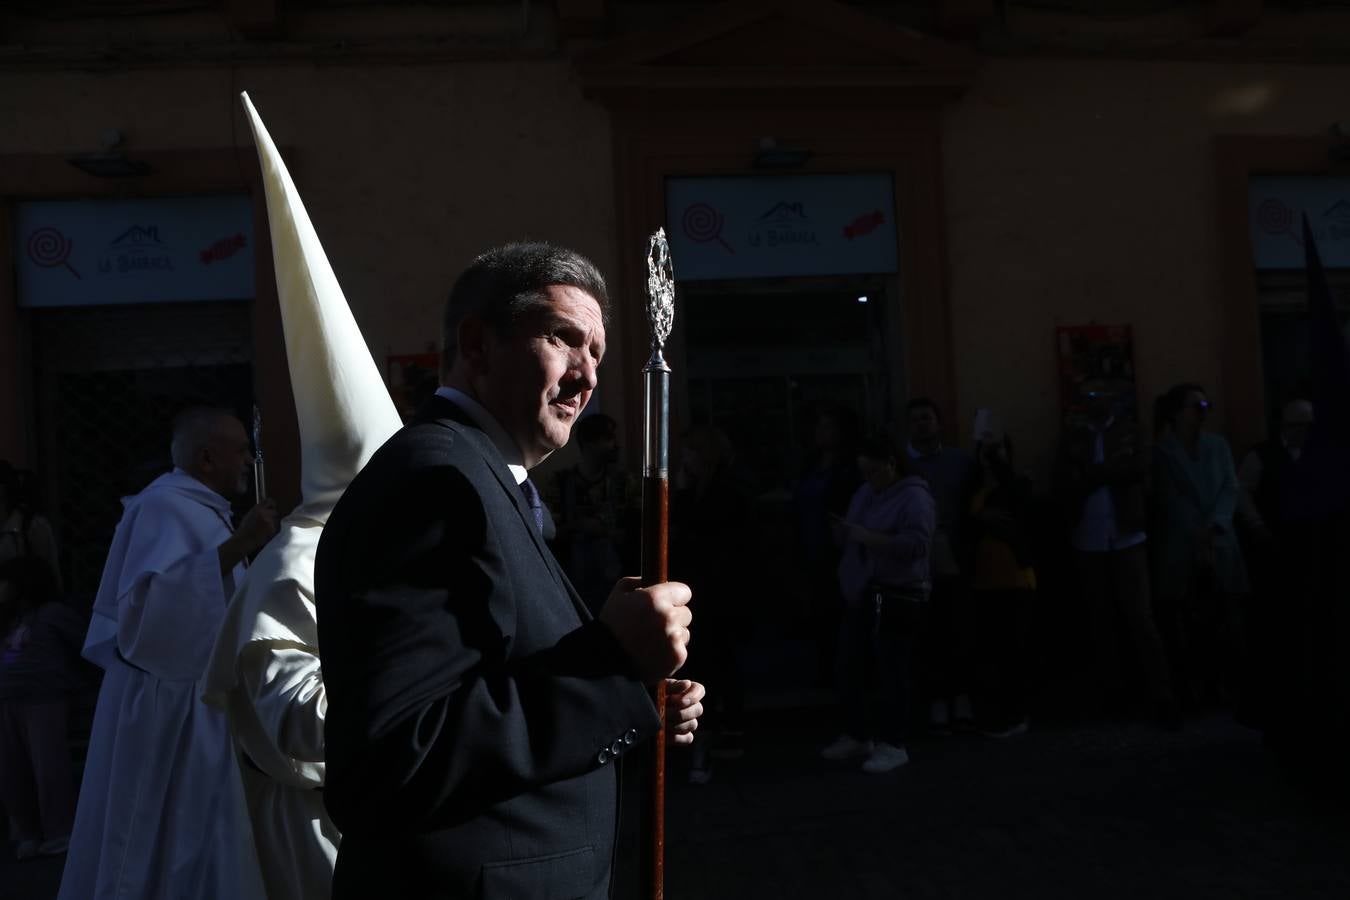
(491,427)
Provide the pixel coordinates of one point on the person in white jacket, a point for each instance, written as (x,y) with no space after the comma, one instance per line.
(265,669)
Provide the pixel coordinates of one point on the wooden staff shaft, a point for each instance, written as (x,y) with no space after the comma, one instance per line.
(655,559)
(655,525)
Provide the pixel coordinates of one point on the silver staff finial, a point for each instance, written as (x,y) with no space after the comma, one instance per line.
(259,478)
(257,432)
(660,289)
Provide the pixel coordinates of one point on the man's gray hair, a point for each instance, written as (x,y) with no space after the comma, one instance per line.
(193,428)
(505,282)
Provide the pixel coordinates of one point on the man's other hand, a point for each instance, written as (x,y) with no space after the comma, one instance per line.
(257,527)
(651,624)
(684,705)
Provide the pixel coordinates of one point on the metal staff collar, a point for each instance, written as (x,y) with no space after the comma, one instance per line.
(656,374)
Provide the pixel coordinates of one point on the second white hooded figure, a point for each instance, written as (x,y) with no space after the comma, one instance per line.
(265,667)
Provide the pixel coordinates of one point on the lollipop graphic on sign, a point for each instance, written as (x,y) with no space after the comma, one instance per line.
(702,224)
(48,247)
(1273,217)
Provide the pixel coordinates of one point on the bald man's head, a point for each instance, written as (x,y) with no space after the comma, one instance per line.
(210,444)
(1296,419)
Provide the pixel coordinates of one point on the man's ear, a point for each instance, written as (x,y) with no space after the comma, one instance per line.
(203,458)
(474,337)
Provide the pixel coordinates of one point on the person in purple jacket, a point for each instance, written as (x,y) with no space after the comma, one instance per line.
(884,579)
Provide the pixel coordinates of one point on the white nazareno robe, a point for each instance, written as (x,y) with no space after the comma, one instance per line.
(265,673)
(161,811)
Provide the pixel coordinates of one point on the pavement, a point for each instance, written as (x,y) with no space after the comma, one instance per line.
(1098,810)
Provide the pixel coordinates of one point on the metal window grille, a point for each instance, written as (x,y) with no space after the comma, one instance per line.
(107,383)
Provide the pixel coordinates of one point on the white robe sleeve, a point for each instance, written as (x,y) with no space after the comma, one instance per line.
(285,686)
(163,595)
(167,620)
(265,670)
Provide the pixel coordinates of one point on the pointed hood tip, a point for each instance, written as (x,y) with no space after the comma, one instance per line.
(343,407)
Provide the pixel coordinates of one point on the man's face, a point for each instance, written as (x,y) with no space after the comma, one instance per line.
(538,381)
(1298,419)
(827,433)
(1193,412)
(1100,406)
(228,457)
(923,424)
(600,451)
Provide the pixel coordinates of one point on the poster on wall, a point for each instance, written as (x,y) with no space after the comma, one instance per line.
(412,378)
(148,250)
(1096,361)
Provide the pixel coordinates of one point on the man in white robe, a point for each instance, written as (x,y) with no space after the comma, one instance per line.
(265,669)
(160,812)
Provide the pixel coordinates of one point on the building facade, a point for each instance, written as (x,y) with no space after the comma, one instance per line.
(872,200)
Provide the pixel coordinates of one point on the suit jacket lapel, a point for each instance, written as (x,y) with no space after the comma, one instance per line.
(439,409)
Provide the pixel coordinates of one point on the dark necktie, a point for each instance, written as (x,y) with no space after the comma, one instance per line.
(536,505)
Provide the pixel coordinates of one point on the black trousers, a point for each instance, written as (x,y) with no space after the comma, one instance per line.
(1004,664)
(887,643)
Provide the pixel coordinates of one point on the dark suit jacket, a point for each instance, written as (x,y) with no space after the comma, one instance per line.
(476,711)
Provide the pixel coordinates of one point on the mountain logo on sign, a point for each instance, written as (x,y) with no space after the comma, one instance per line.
(136,251)
(784,213)
(784,224)
(1339,211)
(136,237)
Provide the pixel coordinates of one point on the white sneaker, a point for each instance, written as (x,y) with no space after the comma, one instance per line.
(884,758)
(54,847)
(846,747)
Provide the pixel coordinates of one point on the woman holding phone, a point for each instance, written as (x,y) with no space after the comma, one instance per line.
(886,537)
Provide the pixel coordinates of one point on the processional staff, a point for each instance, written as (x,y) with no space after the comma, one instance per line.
(655,518)
(259,476)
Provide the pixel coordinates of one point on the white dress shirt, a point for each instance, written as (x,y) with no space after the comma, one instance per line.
(1096,531)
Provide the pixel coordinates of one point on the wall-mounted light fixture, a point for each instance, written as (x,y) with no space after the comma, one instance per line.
(111,162)
(773,155)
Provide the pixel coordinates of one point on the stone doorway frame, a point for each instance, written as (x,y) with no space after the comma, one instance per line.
(861,94)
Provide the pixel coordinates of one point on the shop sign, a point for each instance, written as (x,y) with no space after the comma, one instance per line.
(780,226)
(104,252)
(1276,205)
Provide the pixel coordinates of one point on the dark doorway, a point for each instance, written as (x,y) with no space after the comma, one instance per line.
(107,382)
(1285,337)
(762,359)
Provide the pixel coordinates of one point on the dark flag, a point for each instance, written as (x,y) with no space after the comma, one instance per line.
(1308,727)
(1322,486)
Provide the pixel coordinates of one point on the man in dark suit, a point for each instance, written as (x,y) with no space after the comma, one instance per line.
(1100,475)
(478,714)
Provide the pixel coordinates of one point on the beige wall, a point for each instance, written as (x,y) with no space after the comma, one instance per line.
(407,172)
(1082,191)
(1076,190)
